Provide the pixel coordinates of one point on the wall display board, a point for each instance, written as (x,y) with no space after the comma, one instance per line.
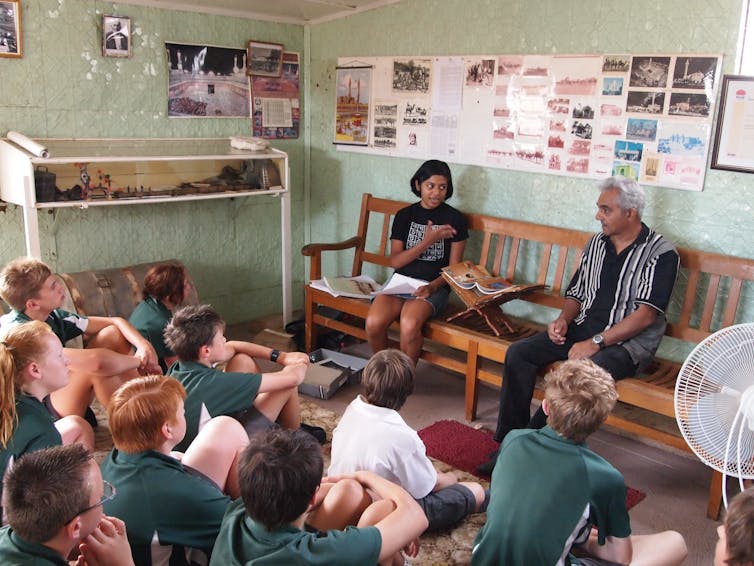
(647,117)
(276,109)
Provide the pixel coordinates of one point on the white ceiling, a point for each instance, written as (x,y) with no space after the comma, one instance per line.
(285,11)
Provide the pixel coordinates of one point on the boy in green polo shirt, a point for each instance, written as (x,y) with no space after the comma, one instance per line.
(280,475)
(196,335)
(53,501)
(114,352)
(550,493)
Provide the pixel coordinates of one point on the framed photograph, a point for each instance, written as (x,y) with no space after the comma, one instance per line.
(207,81)
(352,105)
(10,28)
(264,59)
(733,149)
(116,36)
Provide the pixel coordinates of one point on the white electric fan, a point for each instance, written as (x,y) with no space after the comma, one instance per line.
(714,402)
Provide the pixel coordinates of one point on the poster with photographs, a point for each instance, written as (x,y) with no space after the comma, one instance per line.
(276,108)
(10,28)
(206,81)
(645,116)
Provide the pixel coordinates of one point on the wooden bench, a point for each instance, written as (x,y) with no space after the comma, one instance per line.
(706,298)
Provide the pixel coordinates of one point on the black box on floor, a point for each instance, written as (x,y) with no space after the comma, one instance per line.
(329,371)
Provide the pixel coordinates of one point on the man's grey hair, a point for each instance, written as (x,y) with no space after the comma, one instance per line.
(630,193)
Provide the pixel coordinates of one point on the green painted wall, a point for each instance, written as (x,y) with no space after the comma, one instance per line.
(718,219)
(64,87)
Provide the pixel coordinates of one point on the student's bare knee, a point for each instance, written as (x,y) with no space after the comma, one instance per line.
(228,429)
(477,490)
(242,363)
(376,512)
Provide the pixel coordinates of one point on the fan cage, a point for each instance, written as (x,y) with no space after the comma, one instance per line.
(708,396)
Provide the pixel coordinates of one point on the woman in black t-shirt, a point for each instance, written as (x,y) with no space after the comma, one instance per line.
(426,236)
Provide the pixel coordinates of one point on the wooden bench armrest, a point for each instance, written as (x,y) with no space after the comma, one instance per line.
(314,251)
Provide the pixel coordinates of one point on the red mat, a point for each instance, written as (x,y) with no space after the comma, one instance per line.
(465,448)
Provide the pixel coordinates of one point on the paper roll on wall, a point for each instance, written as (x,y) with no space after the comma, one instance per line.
(28,144)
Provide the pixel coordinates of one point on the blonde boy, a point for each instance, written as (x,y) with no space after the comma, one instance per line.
(550,493)
(114,352)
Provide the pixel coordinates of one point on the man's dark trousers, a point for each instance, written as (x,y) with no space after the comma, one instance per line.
(522,361)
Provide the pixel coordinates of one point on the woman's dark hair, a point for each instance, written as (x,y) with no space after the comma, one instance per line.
(427,169)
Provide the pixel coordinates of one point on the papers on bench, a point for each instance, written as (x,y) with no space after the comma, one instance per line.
(364,287)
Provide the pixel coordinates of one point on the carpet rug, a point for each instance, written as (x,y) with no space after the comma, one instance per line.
(464,448)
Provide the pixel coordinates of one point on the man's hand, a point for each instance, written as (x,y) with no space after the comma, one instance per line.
(583,350)
(556,330)
(107,545)
(293,358)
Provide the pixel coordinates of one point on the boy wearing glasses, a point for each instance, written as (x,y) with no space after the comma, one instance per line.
(53,500)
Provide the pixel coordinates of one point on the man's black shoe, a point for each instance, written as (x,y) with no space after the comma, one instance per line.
(486,468)
(90,417)
(316,431)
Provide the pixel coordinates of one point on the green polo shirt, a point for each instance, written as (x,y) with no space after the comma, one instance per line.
(150,317)
(542,487)
(14,551)
(167,510)
(244,541)
(34,430)
(66,325)
(210,393)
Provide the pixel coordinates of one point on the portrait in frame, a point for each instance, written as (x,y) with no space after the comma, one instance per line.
(10,28)
(732,149)
(116,36)
(264,59)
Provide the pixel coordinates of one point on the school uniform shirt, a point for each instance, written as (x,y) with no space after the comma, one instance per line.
(244,541)
(210,393)
(546,493)
(167,510)
(150,317)
(66,325)
(377,439)
(409,226)
(14,551)
(34,430)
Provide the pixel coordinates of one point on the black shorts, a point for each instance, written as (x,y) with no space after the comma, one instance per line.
(444,508)
(253,421)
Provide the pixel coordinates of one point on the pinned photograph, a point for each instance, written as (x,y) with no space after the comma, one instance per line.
(116,36)
(10,28)
(695,72)
(650,72)
(265,59)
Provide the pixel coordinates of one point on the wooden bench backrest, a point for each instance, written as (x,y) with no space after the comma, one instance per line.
(707,295)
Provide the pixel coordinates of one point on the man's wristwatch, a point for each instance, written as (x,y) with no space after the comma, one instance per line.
(274,355)
(599,339)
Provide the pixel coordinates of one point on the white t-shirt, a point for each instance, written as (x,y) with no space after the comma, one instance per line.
(378,439)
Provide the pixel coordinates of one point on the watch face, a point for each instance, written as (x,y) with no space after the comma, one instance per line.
(597,339)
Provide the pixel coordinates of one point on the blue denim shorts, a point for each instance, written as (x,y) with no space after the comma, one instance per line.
(438,299)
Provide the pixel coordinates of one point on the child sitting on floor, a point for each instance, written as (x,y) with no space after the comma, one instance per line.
(114,352)
(371,435)
(550,494)
(196,335)
(280,474)
(33,365)
(172,508)
(735,546)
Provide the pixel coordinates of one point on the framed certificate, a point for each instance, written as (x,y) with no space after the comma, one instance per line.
(733,149)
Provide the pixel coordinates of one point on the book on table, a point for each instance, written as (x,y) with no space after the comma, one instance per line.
(467,275)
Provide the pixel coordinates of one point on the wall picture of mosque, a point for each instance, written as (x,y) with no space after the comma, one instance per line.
(352,105)
(206,81)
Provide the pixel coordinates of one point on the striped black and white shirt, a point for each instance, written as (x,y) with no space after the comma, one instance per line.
(610,286)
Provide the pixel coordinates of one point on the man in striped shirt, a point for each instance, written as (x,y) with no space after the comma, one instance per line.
(614,312)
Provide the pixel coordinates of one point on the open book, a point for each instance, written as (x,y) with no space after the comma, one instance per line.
(401,285)
(470,276)
(359,287)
